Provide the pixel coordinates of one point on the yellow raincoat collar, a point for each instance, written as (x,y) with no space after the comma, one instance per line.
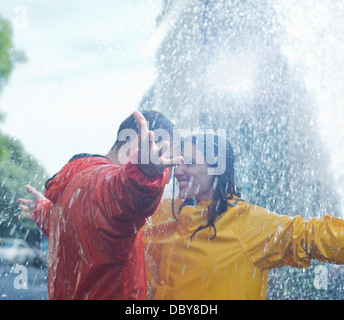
(192,216)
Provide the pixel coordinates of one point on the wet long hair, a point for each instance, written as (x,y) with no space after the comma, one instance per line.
(223,185)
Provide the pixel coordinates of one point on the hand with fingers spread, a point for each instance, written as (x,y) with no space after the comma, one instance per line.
(27,205)
(151,158)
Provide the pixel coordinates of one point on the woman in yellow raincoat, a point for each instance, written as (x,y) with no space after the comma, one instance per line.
(217,246)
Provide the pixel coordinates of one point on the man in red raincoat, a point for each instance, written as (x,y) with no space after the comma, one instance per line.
(92,212)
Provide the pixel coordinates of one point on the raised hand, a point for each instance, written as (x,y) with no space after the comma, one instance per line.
(151,158)
(27,205)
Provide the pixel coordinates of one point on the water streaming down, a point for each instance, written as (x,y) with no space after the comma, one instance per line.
(267,72)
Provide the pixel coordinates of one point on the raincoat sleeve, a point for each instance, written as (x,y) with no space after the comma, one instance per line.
(271,240)
(129,195)
(41,215)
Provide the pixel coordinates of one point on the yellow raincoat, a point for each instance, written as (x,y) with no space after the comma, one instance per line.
(249,241)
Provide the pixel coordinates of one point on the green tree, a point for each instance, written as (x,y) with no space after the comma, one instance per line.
(8,56)
(17,167)
(6,63)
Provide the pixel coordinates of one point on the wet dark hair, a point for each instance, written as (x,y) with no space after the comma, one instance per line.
(223,184)
(155,120)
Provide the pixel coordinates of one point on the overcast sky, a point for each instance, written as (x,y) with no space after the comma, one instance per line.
(88,65)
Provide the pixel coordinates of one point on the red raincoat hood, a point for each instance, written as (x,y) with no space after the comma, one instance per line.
(56,185)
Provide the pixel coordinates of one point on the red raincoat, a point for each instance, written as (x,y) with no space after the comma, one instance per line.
(92,219)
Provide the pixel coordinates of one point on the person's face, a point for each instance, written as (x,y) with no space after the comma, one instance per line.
(193,178)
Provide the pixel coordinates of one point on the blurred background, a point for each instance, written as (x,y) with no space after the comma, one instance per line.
(84,67)
(70,73)
(269,72)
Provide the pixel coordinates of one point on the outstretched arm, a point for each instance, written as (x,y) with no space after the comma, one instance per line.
(271,240)
(133,192)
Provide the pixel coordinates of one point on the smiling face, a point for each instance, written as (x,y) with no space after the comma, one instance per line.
(193,178)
